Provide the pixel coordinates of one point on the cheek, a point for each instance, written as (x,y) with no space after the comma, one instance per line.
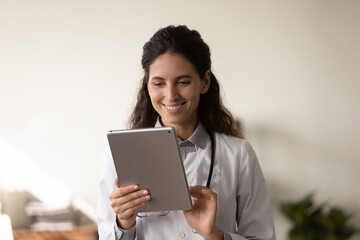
(194,95)
(154,96)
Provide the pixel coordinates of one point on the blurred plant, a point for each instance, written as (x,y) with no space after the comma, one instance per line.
(310,222)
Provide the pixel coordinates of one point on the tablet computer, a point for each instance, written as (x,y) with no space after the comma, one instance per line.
(150,157)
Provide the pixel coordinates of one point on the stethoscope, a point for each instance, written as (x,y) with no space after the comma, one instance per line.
(212,140)
(212,160)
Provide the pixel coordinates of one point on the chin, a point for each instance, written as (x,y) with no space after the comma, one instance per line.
(171,121)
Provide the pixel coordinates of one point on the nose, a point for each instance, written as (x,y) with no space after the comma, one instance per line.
(172,92)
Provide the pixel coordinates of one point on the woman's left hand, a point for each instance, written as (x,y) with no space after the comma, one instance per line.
(203,214)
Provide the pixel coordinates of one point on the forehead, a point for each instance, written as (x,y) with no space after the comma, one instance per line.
(171,64)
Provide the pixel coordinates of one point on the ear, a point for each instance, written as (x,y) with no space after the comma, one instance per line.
(205,83)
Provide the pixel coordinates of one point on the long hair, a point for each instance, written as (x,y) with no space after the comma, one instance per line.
(211,111)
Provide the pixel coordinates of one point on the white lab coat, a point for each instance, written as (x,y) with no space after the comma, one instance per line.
(244,208)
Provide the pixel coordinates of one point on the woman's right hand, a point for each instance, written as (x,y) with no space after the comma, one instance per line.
(126,201)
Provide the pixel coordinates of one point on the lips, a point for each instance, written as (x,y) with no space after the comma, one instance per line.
(173,107)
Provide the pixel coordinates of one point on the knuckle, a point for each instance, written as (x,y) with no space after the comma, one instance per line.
(113,204)
(133,204)
(121,191)
(117,211)
(111,196)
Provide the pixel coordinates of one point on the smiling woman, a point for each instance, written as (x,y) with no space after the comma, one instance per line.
(179,90)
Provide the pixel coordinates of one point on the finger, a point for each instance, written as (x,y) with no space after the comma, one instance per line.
(197,187)
(196,191)
(117,182)
(196,194)
(117,202)
(202,192)
(127,209)
(129,213)
(122,191)
(134,197)
(135,202)
(209,194)
(208,191)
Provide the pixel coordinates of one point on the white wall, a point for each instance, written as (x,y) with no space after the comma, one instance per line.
(69,71)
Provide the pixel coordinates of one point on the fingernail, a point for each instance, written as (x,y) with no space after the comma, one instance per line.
(145,192)
(136,187)
(147,197)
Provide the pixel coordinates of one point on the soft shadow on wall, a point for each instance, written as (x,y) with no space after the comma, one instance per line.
(22,183)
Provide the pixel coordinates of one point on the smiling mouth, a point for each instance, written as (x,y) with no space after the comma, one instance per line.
(174,107)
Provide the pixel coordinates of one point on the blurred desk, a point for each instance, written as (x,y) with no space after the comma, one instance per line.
(79,233)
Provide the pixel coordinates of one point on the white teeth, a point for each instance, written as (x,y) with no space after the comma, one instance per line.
(173,107)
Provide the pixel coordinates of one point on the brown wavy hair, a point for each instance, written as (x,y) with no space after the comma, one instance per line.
(181,40)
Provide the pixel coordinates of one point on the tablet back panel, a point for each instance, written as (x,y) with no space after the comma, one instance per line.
(150,158)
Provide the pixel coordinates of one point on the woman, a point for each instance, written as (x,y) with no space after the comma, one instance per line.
(179,90)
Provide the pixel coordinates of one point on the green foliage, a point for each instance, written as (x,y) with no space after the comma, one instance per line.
(310,222)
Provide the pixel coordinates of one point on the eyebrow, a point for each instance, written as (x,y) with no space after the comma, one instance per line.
(177,78)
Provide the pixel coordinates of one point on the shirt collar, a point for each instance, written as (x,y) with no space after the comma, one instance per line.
(198,138)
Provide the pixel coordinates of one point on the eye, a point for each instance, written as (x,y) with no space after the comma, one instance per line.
(184,82)
(158,84)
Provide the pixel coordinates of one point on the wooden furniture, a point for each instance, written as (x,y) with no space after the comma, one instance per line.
(79,233)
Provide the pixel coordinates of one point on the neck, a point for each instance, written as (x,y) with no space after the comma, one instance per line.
(184,133)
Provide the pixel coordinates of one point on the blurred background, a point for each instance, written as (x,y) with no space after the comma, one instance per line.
(69,71)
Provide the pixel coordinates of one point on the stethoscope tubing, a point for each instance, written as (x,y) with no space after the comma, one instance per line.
(212,140)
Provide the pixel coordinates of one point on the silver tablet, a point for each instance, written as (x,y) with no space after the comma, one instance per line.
(150,158)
